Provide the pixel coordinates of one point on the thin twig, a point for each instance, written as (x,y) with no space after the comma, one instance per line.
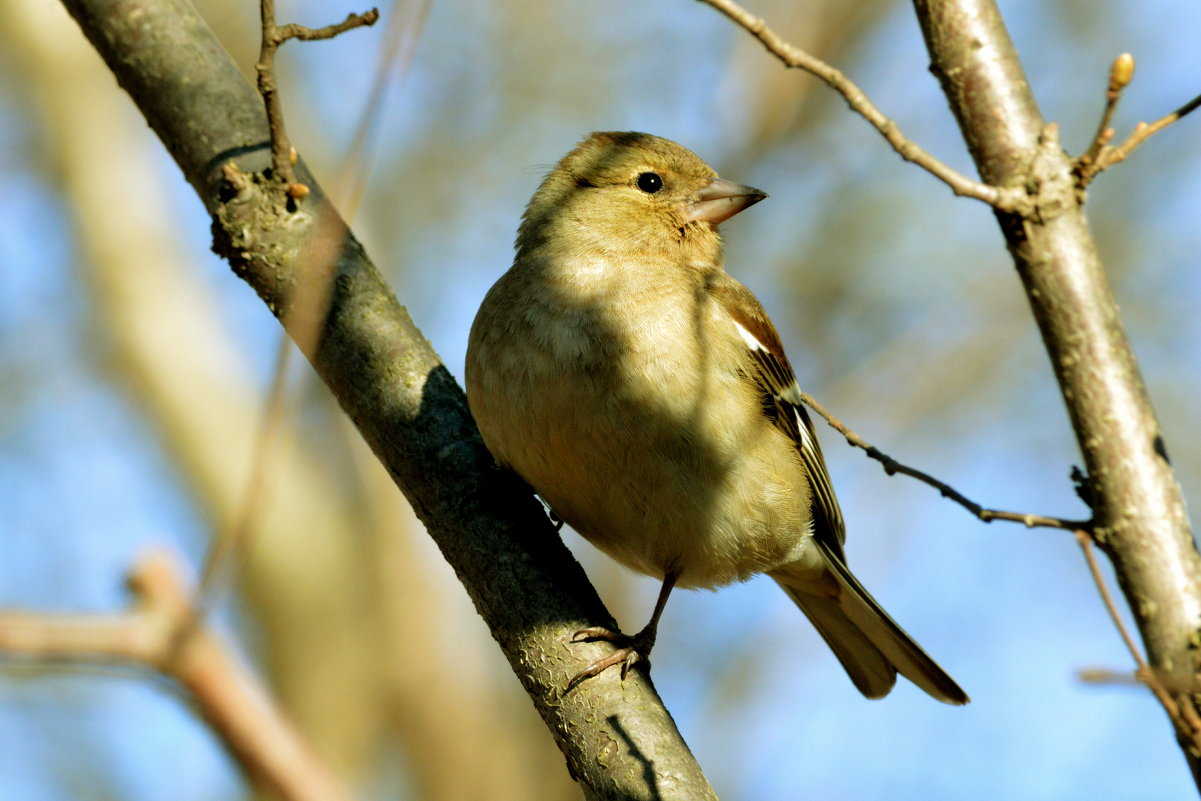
(233,701)
(225,553)
(1001,198)
(1183,715)
(281,145)
(892,467)
(1109,676)
(395,59)
(1100,156)
(1086,545)
(352,21)
(1142,132)
(1121,72)
(282,154)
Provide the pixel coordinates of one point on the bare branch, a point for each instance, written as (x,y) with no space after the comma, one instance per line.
(1097,675)
(283,156)
(892,467)
(523,581)
(1142,132)
(1139,514)
(1100,156)
(1121,72)
(1086,545)
(1180,708)
(159,632)
(1001,198)
(228,546)
(293,31)
(281,145)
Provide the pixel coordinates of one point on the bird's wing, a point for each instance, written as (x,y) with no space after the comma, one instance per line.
(782,401)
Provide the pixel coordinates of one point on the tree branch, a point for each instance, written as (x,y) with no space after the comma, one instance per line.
(160,632)
(1121,72)
(892,467)
(352,21)
(1139,512)
(283,155)
(1110,156)
(1184,717)
(999,197)
(1100,156)
(315,276)
(149,304)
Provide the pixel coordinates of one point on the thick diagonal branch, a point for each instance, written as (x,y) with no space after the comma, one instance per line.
(618,739)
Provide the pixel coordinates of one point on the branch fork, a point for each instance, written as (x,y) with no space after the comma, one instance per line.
(1055,256)
(163,630)
(1007,199)
(283,155)
(1101,155)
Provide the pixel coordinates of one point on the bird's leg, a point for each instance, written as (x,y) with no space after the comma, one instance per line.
(630,649)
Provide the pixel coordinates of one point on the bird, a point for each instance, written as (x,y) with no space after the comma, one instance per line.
(644,395)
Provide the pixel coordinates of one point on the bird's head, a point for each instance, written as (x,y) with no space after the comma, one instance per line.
(636,193)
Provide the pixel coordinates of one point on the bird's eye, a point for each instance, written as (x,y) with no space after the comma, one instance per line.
(650,182)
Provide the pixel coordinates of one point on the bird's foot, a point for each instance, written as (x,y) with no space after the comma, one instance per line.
(630,651)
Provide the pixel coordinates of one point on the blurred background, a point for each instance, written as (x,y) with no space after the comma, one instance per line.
(134,368)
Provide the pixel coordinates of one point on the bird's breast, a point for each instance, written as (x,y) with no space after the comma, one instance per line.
(633,419)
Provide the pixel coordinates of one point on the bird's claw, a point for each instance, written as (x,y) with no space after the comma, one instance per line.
(630,651)
(601,633)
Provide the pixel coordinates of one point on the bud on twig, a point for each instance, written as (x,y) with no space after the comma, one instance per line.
(1121,72)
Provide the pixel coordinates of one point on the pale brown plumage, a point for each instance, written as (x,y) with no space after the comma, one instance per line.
(646,397)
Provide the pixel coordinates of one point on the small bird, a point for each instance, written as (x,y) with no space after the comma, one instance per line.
(643,393)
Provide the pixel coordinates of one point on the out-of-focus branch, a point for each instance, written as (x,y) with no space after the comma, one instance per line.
(999,197)
(403,32)
(159,631)
(302,579)
(1108,676)
(619,740)
(227,548)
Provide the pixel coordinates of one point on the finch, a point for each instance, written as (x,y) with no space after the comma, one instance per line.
(643,393)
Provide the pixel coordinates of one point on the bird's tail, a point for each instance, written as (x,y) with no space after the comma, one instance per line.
(870,645)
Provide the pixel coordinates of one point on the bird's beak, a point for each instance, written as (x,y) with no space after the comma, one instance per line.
(721,199)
